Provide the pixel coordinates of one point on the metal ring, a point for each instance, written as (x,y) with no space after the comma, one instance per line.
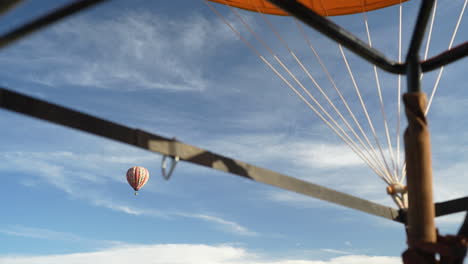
(174,161)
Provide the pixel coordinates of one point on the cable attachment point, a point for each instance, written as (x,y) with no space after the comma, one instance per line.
(396,188)
(174,161)
(398,192)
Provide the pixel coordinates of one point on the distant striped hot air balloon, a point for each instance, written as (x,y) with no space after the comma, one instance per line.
(137,177)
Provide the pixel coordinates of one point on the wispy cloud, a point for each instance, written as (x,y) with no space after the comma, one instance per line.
(186,253)
(335,251)
(137,50)
(221,223)
(39,233)
(47,234)
(76,176)
(226,225)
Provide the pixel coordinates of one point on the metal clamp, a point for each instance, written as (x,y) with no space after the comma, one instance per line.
(174,161)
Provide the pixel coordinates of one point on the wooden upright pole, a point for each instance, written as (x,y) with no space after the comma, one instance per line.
(421,212)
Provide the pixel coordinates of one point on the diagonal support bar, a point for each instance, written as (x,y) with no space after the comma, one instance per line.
(362,49)
(7,5)
(446,57)
(46,20)
(452,206)
(339,34)
(40,109)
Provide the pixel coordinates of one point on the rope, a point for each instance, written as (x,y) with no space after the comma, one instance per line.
(278,35)
(319,115)
(400,22)
(330,78)
(382,108)
(441,71)
(360,98)
(343,134)
(299,62)
(364,109)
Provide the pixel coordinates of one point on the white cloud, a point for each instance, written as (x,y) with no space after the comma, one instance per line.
(450,182)
(185,253)
(302,153)
(327,155)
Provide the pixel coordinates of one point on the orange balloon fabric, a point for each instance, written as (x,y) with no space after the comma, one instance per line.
(323,7)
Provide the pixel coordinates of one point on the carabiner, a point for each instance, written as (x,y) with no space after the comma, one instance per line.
(165,175)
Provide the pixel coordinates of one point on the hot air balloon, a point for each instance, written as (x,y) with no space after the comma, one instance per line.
(137,177)
(325,8)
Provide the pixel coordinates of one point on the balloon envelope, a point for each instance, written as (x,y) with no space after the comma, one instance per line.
(137,177)
(323,7)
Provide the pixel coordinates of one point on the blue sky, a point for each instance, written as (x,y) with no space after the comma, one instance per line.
(174,69)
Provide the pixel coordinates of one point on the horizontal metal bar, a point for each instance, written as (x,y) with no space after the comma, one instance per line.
(446,57)
(46,20)
(452,206)
(37,108)
(337,33)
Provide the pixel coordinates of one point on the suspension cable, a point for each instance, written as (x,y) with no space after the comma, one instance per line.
(384,176)
(361,101)
(278,35)
(398,130)
(343,100)
(441,71)
(363,105)
(382,108)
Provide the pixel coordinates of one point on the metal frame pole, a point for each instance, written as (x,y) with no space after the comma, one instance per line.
(46,20)
(421,211)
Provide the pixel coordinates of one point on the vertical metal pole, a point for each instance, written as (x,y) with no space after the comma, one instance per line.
(421,210)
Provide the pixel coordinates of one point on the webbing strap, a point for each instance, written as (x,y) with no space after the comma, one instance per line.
(37,108)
